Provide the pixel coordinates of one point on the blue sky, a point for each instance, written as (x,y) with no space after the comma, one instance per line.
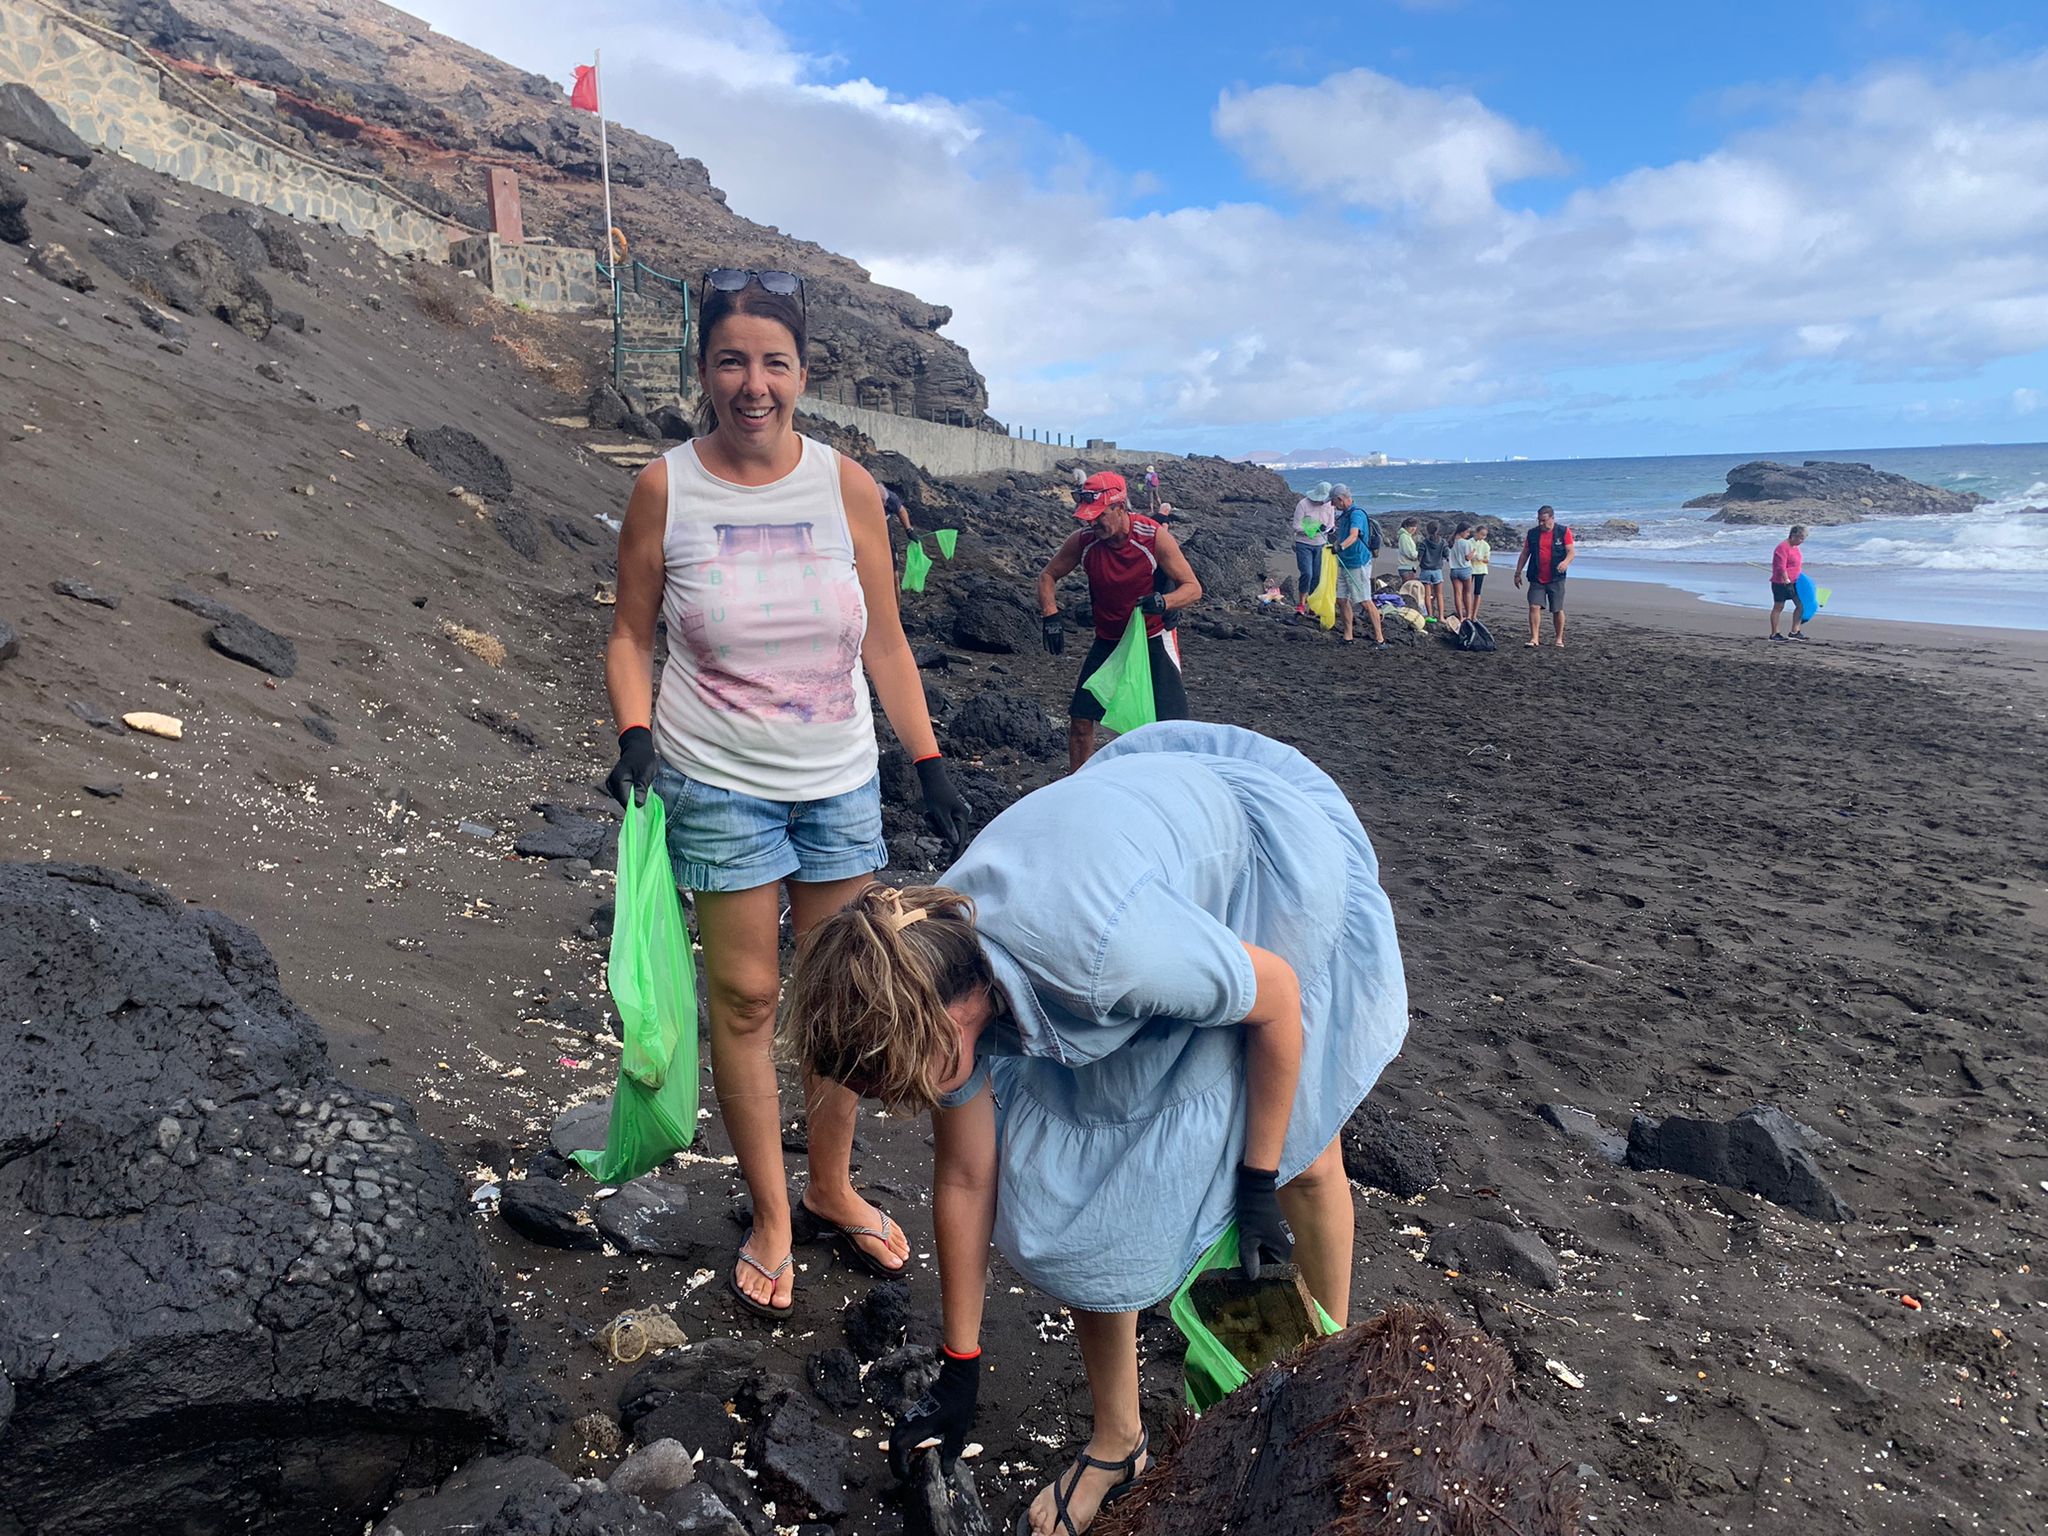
(1446,227)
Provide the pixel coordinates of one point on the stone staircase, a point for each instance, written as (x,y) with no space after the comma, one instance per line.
(653,345)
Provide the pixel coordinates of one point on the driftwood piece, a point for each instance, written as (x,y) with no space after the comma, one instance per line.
(1258,1321)
(938,1503)
(1363,1432)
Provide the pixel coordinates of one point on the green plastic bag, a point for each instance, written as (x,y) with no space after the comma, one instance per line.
(654,984)
(1123,684)
(947,537)
(916,566)
(1211,1372)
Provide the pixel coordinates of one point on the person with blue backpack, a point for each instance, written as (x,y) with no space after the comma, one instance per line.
(1356,541)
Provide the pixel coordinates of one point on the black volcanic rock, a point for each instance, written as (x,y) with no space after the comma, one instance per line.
(14,228)
(242,1294)
(1763,1151)
(122,205)
(464,459)
(29,120)
(243,639)
(1823,491)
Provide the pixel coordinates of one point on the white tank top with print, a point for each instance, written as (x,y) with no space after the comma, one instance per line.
(763,692)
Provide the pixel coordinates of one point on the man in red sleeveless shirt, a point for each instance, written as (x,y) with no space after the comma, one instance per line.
(1125,554)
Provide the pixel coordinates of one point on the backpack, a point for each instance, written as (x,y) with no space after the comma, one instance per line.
(1473,636)
(1372,537)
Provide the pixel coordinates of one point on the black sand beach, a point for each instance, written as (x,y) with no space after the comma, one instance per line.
(1669,870)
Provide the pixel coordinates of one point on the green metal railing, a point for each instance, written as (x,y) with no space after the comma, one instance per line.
(642,278)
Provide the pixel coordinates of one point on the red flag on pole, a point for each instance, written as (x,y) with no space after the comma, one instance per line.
(584,93)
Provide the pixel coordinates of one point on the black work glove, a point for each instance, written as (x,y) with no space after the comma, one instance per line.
(1054,630)
(946,1411)
(951,817)
(1152,605)
(1262,1235)
(636,765)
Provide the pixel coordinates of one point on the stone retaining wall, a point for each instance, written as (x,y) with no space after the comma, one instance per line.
(946,451)
(549,277)
(110,101)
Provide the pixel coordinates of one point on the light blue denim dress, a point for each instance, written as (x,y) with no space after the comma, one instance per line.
(1115,906)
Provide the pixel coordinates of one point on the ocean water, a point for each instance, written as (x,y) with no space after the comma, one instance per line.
(1987,567)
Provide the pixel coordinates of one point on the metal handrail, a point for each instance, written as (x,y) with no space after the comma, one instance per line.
(639,270)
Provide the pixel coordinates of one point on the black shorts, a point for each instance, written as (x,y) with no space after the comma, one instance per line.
(1784,591)
(1169,694)
(1478,582)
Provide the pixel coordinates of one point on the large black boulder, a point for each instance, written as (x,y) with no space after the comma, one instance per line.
(989,618)
(226,289)
(1762,1151)
(464,459)
(195,277)
(997,717)
(1388,1154)
(13,225)
(120,204)
(28,120)
(235,233)
(241,1294)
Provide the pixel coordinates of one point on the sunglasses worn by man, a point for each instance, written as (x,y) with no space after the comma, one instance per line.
(733,279)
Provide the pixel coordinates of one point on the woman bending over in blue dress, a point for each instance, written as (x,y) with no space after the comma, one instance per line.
(1140,1007)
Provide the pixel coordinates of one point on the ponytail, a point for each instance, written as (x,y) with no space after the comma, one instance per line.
(870,988)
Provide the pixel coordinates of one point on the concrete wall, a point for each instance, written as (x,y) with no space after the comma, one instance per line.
(947,451)
(110,101)
(549,277)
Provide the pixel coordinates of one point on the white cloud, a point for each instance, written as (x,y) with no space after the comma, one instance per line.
(1374,142)
(2027,401)
(1893,225)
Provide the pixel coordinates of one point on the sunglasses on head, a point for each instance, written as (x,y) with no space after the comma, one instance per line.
(733,279)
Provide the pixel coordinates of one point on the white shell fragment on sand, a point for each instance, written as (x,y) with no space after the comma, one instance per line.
(152,724)
(1565,1374)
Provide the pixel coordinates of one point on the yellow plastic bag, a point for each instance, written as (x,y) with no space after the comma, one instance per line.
(1323,601)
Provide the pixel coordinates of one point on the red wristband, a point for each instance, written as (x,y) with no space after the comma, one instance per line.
(926,758)
(954,1354)
(625,728)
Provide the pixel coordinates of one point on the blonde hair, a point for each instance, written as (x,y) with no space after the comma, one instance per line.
(869,990)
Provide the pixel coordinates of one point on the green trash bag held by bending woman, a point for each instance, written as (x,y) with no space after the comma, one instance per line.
(654,984)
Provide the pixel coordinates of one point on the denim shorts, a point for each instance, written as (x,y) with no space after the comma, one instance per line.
(721,840)
(1431,578)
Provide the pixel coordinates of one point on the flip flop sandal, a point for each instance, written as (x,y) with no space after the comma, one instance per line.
(831,1231)
(765,1309)
(1062,1497)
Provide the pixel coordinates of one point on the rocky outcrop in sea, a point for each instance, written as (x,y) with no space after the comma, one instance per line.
(1823,492)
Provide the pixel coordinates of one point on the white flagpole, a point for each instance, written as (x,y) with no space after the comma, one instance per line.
(604,157)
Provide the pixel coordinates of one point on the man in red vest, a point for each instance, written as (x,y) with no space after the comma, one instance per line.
(1547,552)
(1124,553)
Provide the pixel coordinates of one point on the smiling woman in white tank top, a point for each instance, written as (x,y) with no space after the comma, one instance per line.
(767,555)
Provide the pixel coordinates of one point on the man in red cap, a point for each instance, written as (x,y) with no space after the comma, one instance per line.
(1124,554)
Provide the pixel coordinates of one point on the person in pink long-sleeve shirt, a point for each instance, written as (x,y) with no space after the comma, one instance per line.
(1786,562)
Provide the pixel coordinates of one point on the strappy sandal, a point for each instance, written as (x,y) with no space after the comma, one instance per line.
(1063,1497)
(766,1309)
(831,1231)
